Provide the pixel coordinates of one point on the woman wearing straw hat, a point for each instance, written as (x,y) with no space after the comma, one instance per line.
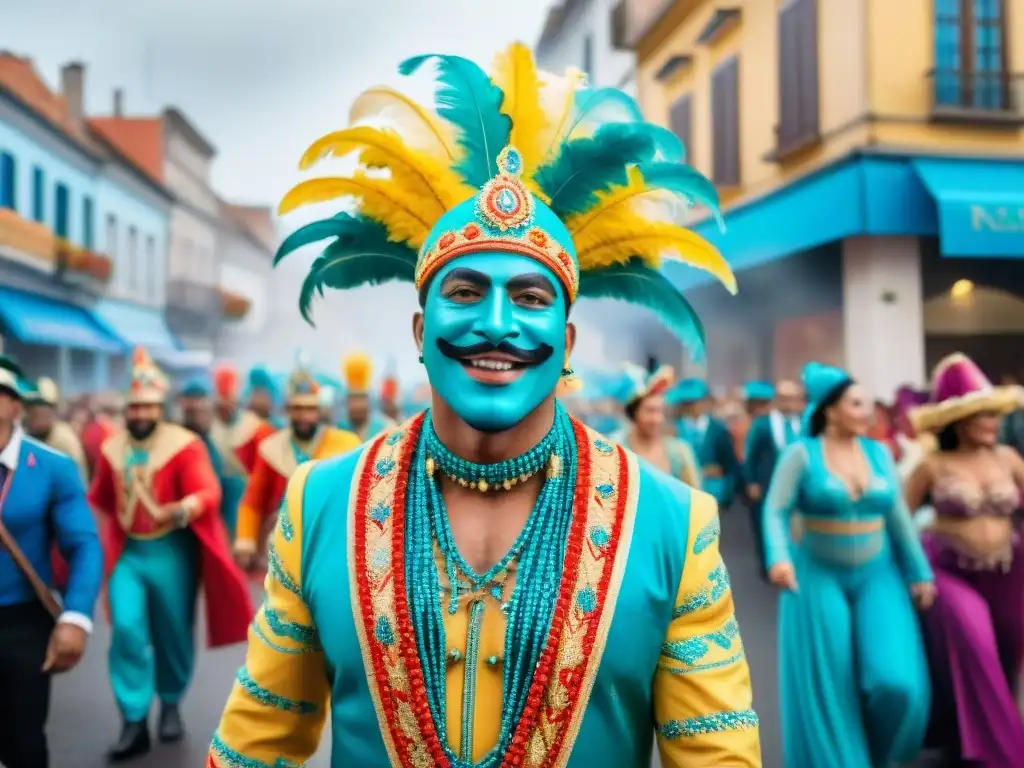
(853,677)
(975,632)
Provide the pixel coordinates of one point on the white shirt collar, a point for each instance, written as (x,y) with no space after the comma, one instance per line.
(9,455)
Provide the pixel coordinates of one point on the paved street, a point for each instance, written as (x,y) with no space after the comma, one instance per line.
(84,720)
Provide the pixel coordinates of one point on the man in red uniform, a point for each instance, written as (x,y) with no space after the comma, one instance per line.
(305,439)
(155,484)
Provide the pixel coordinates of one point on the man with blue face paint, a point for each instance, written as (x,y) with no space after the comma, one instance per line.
(491,583)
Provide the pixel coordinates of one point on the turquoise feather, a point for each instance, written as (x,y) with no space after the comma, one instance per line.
(468,100)
(362,255)
(670,147)
(636,283)
(685,181)
(604,105)
(336,226)
(585,167)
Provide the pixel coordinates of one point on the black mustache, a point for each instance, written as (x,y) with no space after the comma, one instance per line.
(525,356)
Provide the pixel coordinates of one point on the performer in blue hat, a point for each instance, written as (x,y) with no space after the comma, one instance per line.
(852,665)
(455,592)
(642,395)
(710,438)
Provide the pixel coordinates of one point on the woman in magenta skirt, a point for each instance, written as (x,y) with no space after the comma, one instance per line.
(975,631)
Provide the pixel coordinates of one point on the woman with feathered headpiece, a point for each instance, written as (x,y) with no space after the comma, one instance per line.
(473,561)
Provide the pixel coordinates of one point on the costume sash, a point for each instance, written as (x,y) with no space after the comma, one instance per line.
(595,560)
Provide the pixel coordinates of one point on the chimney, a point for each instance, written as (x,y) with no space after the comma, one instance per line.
(118,102)
(72,88)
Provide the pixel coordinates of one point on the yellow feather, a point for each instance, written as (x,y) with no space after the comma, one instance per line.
(618,199)
(357,369)
(652,242)
(420,128)
(379,199)
(558,98)
(515,72)
(417,171)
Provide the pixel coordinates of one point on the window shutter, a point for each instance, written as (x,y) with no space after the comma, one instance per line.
(681,121)
(725,123)
(798,72)
(807,37)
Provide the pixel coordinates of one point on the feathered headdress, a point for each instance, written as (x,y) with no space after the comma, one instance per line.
(260,378)
(148,384)
(303,388)
(637,383)
(357,369)
(517,161)
(226,382)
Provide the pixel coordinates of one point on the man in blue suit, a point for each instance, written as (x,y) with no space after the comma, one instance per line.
(42,503)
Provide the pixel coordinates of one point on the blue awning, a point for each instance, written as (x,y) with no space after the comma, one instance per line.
(138,326)
(35,319)
(865,195)
(980,205)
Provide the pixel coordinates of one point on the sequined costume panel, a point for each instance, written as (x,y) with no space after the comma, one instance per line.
(651,571)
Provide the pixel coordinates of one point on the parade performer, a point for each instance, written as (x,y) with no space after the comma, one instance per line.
(456,592)
(261,396)
(155,484)
(767,438)
(236,435)
(389,398)
(41,422)
(642,395)
(305,439)
(42,503)
(975,631)
(710,438)
(853,676)
(104,422)
(360,415)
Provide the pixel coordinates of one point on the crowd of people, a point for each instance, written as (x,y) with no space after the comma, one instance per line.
(483,578)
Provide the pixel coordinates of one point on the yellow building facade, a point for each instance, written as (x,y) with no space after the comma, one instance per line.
(878,130)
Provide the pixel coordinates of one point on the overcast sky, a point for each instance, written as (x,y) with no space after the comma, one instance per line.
(261,79)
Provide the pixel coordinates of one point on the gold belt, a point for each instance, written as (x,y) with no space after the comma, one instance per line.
(842,527)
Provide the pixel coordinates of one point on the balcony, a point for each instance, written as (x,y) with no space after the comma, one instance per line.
(641,16)
(994,99)
(194,310)
(27,241)
(234,306)
(79,263)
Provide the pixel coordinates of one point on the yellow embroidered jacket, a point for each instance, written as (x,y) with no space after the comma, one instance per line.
(645,640)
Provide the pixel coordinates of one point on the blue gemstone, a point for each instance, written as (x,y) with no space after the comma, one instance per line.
(513,162)
(506,201)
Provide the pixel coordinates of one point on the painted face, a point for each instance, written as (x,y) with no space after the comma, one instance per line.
(494,337)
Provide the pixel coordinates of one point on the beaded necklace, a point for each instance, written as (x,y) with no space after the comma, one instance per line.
(504,475)
(539,549)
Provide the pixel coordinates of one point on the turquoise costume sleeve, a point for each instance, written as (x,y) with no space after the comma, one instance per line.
(899,524)
(753,448)
(780,502)
(77,540)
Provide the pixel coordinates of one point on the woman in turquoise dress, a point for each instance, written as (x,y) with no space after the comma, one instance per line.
(853,673)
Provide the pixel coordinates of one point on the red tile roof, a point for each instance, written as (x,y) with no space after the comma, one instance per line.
(139,139)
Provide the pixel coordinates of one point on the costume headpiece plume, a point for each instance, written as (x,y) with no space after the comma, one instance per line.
(260,378)
(303,388)
(519,161)
(637,383)
(357,369)
(148,384)
(226,382)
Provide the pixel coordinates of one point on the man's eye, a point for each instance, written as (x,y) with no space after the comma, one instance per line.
(532,300)
(463,293)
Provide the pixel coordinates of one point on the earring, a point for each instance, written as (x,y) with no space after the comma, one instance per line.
(568,372)
(421,358)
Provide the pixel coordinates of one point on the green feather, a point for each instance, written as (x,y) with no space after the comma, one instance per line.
(361,255)
(684,181)
(585,167)
(316,231)
(468,100)
(636,283)
(604,105)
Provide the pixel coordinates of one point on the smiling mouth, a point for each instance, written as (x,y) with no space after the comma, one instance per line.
(494,368)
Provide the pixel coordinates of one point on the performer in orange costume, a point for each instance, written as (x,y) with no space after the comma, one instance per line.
(164,534)
(279,455)
(236,434)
